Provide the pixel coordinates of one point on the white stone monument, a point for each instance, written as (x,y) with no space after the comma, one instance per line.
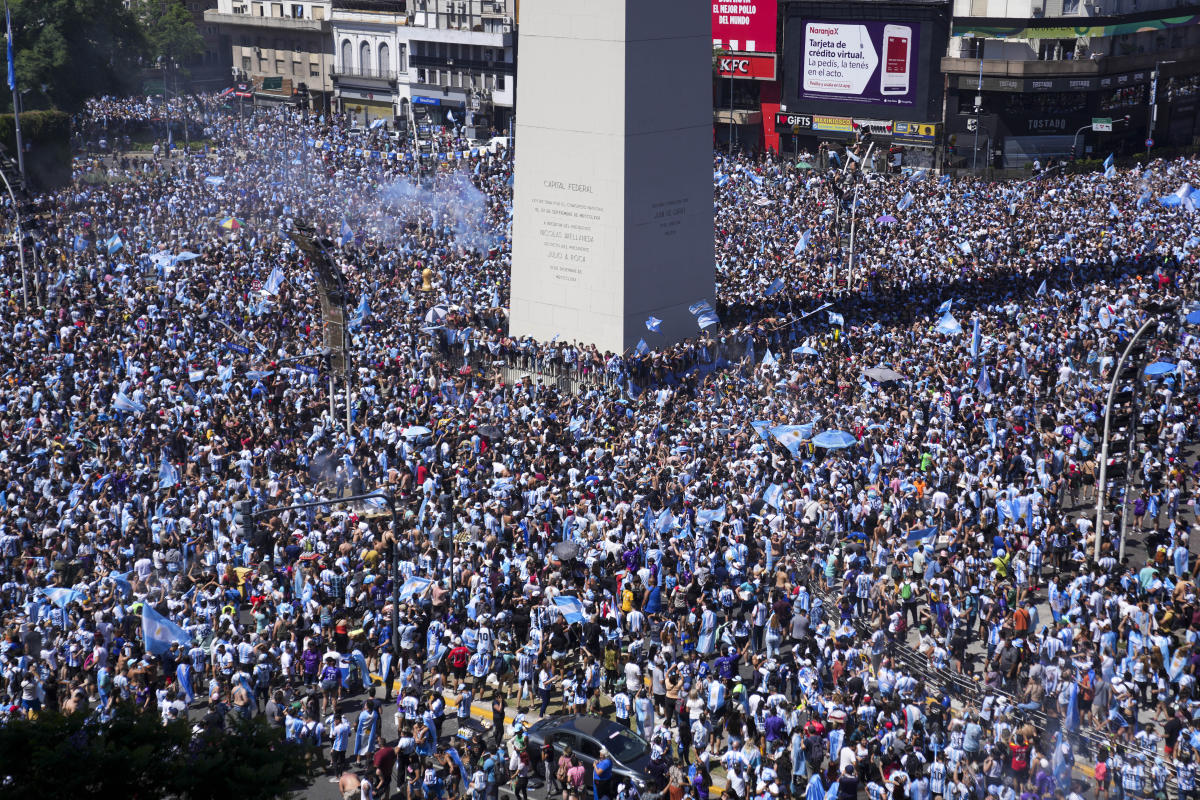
(613,205)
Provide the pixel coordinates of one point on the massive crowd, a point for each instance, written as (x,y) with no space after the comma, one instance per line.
(792,574)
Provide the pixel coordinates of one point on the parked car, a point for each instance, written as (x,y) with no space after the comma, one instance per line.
(630,753)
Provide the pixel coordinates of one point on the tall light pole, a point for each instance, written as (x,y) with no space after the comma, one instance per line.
(1152,116)
(978,113)
(1102,486)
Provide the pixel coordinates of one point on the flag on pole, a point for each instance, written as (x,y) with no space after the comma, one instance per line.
(1041,292)
(642,348)
(707,318)
(802,243)
(948,325)
(905,201)
(944,308)
(984,383)
(775,287)
(773,496)
(653,324)
(114,243)
(347,234)
(1108,162)
(160,633)
(274,281)
(836,319)
(12,69)
(769,359)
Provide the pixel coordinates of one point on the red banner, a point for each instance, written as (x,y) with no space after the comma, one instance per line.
(748,26)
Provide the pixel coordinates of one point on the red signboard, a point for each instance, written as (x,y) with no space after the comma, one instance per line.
(747,26)
(747,65)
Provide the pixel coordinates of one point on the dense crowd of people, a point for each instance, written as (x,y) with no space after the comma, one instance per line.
(839,545)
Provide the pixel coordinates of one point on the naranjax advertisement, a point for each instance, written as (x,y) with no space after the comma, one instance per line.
(867,62)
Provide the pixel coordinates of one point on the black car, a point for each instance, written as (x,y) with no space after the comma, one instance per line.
(585,735)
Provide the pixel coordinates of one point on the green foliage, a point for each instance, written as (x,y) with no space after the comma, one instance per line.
(47,138)
(70,50)
(37,127)
(169,30)
(134,755)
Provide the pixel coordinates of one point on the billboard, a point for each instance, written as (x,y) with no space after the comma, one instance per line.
(747,27)
(864,60)
(860,62)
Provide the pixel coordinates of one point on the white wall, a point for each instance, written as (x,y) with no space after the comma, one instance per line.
(613,189)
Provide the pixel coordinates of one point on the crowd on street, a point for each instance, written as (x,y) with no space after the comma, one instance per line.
(841,544)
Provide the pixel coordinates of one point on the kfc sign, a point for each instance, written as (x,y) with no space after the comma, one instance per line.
(745,65)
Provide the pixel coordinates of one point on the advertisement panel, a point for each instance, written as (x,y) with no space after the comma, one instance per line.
(860,62)
(746,65)
(748,26)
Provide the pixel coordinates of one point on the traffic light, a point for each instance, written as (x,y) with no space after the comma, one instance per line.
(243,520)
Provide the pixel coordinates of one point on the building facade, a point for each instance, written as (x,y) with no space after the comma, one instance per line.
(1041,79)
(283,51)
(370,64)
(426,63)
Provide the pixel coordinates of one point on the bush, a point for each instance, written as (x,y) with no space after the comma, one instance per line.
(47,139)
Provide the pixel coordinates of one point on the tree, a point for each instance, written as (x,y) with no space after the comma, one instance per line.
(69,50)
(169,30)
(135,755)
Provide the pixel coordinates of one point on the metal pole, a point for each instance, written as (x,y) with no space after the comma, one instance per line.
(1102,485)
(1150,111)
(395,590)
(729,149)
(853,220)
(20,240)
(978,113)
(16,107)
(1075,140)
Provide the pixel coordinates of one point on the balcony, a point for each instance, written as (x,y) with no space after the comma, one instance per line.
(461,64)
(388,75)
(270,23)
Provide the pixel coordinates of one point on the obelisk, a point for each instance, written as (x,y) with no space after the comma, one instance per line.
(613,191)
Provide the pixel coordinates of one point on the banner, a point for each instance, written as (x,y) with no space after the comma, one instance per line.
(867,62)
(748,26)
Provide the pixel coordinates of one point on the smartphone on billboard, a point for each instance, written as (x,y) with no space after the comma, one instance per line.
(897,59)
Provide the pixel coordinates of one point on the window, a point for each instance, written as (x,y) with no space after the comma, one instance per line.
(297,11)
(276,9)
(279,66)
(385,59)
(500,83)
(401,60)
(420,75)
(314,70)
(588,748)
(318,12)
(364,57)
(347,56)
(245,63)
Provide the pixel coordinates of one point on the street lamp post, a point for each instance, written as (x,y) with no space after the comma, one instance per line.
(1102,485)
(978,114)
(1152,116)
(1075,140)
